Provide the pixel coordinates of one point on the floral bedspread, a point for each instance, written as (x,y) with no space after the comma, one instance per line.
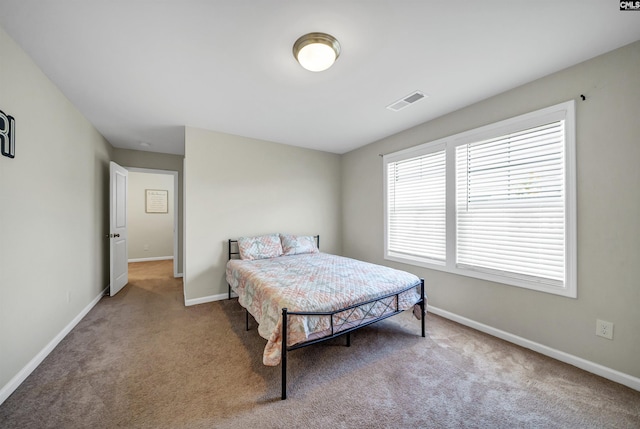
(314,282)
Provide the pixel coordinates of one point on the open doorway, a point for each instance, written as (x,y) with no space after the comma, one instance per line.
(152,204)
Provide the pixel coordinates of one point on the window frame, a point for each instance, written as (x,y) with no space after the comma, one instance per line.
(563,111)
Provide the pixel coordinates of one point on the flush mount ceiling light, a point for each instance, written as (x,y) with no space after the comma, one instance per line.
(316,51)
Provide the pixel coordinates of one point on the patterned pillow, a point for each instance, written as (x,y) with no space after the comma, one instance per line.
(297,244)
(262,247)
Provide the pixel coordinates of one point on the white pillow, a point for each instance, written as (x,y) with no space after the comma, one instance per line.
(298,244)
(262,247)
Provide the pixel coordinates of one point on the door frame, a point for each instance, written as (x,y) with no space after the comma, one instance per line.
(176,231)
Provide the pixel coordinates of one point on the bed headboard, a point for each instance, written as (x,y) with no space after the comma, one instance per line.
(234,251)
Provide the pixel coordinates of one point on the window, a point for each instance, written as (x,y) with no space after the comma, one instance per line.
(417,203)
(496,203)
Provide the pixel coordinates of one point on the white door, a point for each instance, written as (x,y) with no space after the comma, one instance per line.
(118,228)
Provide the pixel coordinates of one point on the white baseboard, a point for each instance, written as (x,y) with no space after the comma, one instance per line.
(22,375)
(154,258)
(210,298)
(592,367)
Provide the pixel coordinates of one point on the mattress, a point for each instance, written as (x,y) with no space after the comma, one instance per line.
(317,282)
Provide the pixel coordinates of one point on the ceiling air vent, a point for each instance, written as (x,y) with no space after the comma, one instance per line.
(406,101)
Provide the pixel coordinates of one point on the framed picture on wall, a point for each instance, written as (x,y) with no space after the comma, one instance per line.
(156,201)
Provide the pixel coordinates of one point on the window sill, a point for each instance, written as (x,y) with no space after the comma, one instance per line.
(537,285)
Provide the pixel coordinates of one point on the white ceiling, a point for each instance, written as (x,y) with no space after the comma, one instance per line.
(140,70)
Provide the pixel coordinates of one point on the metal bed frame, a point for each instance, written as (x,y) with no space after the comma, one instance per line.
(338,328)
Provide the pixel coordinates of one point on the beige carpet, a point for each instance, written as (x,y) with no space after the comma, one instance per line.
(144,360)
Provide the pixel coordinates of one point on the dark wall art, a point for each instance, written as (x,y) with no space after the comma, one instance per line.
(8,135)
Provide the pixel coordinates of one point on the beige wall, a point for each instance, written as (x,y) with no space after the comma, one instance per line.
(608,155)
(53,214)
(238,186)
(158,161)
(149,235)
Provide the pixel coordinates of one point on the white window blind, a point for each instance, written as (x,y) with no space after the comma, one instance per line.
(510,205)
(416,207)
(497,203)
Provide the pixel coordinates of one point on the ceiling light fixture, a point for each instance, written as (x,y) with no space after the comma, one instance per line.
(316,51)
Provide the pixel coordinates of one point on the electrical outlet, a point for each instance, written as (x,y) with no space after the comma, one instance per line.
(146,247)
(604,329)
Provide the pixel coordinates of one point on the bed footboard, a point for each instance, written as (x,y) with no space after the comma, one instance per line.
(345,327)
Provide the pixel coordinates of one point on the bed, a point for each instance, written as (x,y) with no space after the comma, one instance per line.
(300,296)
